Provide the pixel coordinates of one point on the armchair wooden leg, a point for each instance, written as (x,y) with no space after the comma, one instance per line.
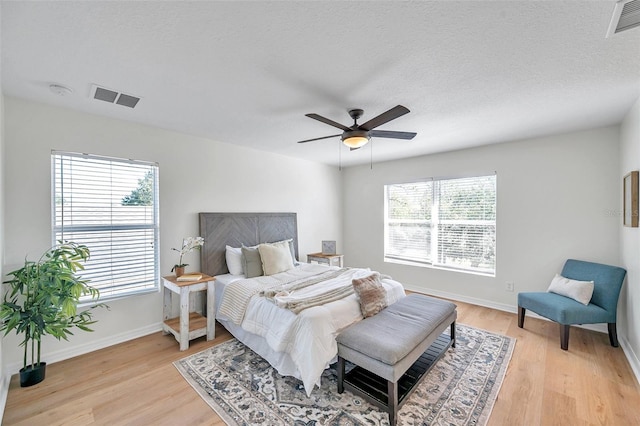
(564,336)
(613,334)
(521,312)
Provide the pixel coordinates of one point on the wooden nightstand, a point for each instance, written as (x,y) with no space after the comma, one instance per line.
(189,325)
(327,259)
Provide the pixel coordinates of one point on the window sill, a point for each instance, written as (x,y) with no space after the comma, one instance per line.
(111,298)
(442,268)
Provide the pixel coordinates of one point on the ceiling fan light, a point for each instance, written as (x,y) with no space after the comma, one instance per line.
(356,141)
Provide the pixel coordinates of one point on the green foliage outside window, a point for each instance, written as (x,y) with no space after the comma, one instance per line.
(143,194)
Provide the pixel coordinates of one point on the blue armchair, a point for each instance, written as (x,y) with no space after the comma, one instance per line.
(566,311)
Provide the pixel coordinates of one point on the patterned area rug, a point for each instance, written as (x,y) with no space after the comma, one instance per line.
(245,390)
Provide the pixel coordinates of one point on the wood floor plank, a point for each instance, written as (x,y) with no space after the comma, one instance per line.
(523,382)
(53,418)
(559,410)
(135,383)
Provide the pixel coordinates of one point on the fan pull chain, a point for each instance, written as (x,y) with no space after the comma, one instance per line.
(340,155)
(371,152)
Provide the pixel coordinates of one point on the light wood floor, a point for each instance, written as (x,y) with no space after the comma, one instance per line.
(135,383)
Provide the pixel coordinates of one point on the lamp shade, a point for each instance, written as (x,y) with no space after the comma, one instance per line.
(355,138)
(355,141)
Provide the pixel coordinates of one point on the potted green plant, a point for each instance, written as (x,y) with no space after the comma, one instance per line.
(42,299)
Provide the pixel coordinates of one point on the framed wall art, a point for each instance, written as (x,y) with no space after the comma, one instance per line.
(630,195)
(328,247)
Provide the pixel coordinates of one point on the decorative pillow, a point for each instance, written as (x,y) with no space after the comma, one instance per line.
(251,262)
(580,291)
(276,257)
(291,248)
(293,251)
(371,293)
(234,260)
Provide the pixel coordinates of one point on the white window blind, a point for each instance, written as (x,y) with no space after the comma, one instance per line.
(409,221)
(447,222)
(111,206)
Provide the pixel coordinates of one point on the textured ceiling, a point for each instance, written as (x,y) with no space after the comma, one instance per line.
(471,73)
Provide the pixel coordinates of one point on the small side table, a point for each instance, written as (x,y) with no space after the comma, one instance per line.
(189,325)
(328,259)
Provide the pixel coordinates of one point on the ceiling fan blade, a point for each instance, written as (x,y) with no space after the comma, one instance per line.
(317,139)
(385,117)
(329,122)
(391,134)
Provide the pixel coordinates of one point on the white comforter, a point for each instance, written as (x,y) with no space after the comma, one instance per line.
(309,337)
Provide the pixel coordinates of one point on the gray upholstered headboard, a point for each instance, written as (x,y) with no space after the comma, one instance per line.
(237,229)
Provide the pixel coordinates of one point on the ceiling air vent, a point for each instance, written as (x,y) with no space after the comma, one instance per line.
(113,97)
(626,15)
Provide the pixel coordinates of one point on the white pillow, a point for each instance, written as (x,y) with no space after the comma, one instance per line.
(580,291)
(291,248)
(276,257)
(234,260)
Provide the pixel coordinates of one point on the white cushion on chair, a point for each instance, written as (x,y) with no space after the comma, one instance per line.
(580,291)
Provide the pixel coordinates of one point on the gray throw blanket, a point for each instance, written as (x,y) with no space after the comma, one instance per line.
(293,296)
(236,296)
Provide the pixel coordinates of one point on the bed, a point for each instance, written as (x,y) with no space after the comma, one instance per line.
(298,344)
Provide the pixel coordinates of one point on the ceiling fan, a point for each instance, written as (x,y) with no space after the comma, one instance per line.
(358,135)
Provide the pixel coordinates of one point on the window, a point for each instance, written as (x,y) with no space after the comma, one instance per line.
(111,206)
(446,222)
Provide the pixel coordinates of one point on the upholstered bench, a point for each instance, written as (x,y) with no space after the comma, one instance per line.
(405,337)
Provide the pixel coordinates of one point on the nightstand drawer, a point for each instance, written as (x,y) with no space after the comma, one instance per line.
(326,259)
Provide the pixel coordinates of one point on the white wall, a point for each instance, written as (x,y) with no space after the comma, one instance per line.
(557,198)
(196,175)
(4,378)
(629,305)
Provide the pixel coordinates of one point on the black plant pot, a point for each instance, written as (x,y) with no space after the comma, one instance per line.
(32,376)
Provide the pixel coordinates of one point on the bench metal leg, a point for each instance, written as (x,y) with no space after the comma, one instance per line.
(392,401)
(340,368)
(453,334)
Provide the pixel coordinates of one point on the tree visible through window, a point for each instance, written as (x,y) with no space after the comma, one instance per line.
(448,222)
(111,206)
(143,194)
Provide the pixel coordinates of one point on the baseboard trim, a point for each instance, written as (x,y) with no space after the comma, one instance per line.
(632,357)
(460,298)
(4,393)
(74,351)
(601,328)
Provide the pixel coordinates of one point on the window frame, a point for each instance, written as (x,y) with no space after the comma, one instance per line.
(58,231)
(434,223)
